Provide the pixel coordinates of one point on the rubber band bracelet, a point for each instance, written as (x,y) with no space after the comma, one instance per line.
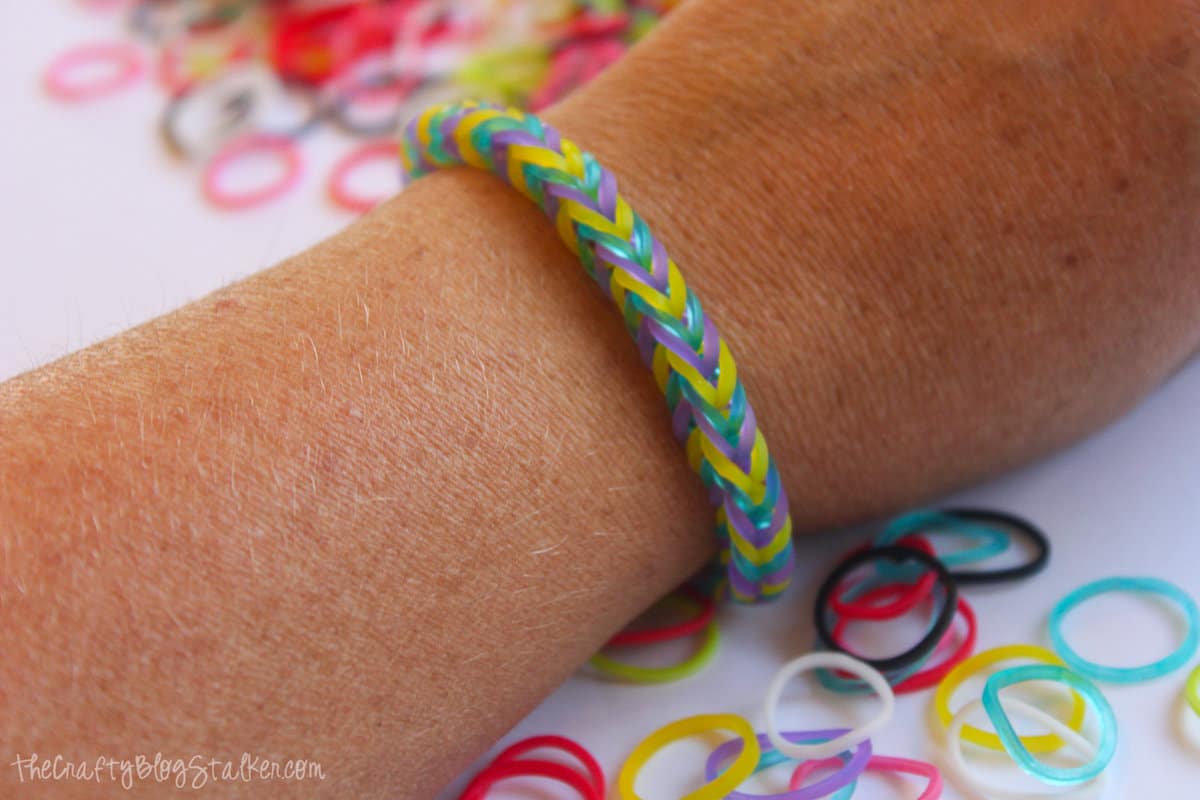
(1064,733)
(942,619)
(846,741)
(1193,690)
(1044,743)
(1057,776)
(837,782)
(741,768)
(1146,672)
(691,363)
(933,778)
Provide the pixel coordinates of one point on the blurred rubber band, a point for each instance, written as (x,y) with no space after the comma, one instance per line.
(123,61)
(283,150)
(1193,690)
(339,179)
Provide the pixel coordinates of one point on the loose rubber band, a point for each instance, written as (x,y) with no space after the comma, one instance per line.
(339,189)
(632,673)
(1058,730)
(993,542)
(1003,521)
(706,609)
(693,367)
(1056,776)
(513,753)
(926,677)
(933,777)
(846,741)
(839,781)
(283,149)
(1192,690)
(1045,743)
(941,621)
(741,768)
(849,601)
(125,59)
(528,768)
(1146,672)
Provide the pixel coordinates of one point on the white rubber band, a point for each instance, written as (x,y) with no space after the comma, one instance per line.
(958,762)
(847,741)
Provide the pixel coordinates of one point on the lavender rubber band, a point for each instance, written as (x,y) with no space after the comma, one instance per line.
(822,788)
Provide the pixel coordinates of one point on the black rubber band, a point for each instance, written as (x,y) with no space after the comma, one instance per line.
(941,622)
(1021,526)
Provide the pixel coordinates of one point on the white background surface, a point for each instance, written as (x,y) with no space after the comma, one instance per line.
(103,230)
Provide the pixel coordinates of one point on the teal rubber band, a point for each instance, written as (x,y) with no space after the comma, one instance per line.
(1057,776)
(992,540)
(1100,672)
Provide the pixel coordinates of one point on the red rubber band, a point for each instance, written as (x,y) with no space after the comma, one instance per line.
(865,607)
(929,677)
(478,788)
(124,56)
(689,627)
(339,189)
(933,789)
(284,149)
(563,744)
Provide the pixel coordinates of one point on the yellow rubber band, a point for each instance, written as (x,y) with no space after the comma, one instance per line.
(1045,743)
(676,672)
(1193,690)
(742,767)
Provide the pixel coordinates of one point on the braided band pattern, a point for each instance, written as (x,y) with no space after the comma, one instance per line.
(692,365)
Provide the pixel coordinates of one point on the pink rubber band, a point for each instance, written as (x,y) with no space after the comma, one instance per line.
(284,149)
(124,56)
(933,789)
(339,189)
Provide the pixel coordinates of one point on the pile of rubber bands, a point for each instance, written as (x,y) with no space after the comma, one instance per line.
(250,79)
(898,574)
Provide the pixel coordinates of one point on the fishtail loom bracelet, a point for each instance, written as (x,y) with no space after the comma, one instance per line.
(691,363)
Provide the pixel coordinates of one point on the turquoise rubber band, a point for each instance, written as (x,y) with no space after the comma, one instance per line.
(992,540)
(1057,776)
(1100,672)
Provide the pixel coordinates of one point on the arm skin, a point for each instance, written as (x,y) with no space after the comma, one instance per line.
(369,506)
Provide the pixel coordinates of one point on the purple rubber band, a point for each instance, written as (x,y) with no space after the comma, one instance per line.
(826,786)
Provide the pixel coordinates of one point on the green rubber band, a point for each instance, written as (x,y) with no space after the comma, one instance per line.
(631,673)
